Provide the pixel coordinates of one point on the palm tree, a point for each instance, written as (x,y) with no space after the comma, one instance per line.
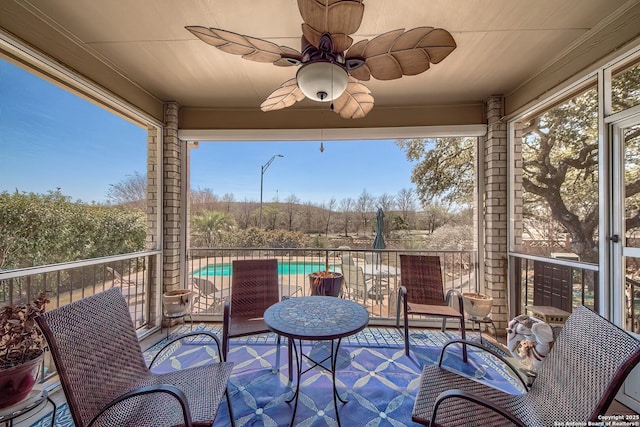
(208,226)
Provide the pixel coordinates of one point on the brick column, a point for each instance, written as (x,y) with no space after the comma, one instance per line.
(516,187)
(152,217)
(495,212)
(152,188)
(172,220)
(516,219)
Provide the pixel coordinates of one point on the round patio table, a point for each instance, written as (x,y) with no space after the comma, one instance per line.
(316,318)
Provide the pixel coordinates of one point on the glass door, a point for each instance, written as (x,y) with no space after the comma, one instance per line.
(625,239)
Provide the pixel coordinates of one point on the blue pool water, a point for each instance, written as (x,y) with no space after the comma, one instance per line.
(292,268)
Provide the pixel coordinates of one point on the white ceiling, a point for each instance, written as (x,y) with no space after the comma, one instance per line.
(502,44)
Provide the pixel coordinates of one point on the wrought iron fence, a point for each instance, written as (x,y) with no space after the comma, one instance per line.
(210,270)
(209,276)
(67,282)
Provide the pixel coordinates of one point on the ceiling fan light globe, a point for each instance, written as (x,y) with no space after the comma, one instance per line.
(322,81)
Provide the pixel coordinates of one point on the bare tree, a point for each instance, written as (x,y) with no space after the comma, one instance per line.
(387,202)
(364,207)
(435,215)
(291,209)
(131,191)
(245,216)
(406,201)
(307,215)
(203,200)
(326,209)
(346,207)
(228,199)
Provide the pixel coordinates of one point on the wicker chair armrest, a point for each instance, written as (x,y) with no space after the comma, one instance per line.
(187,335)
(402,291)
(159,388)
(488,350)
(461,394)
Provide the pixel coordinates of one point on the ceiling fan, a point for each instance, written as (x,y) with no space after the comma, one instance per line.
(331,66)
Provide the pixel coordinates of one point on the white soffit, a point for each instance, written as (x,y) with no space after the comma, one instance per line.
(331,134)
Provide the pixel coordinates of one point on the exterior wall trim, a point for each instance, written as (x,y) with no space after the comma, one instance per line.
(330,134)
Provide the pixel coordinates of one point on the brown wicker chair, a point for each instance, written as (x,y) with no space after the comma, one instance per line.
(578,380)
(254,288)
(422,293)
(104,376)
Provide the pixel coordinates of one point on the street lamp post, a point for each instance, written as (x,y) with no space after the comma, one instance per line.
(263,169)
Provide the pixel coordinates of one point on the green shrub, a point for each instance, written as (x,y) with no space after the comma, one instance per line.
(39,229)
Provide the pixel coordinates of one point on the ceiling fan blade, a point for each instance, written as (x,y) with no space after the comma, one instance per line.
(355,102)
(341,42)
(397,53)
(285,96)
(357,51)
(332,16)
(250,48)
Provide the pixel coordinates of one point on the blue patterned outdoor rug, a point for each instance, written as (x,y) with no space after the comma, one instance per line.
(378,381)
(63,418)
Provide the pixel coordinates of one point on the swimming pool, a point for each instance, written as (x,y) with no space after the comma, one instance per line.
(284,268)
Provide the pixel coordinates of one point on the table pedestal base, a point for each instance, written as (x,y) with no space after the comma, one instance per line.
(333,357)
(316,318)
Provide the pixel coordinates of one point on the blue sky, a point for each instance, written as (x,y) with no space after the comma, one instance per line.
(52,139)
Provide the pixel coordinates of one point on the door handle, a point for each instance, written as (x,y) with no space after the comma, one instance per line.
(615,238)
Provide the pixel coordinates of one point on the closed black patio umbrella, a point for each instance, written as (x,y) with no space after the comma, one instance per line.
(378,242)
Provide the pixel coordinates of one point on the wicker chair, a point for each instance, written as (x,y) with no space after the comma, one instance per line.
(422,293)
(104,376)
(577,382)
(254,288)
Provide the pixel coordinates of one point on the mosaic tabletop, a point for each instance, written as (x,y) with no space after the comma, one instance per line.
(316,318)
